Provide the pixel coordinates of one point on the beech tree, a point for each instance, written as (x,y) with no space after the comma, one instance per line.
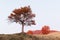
(23,16)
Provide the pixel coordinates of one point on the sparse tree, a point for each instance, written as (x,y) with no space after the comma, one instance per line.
(23,16)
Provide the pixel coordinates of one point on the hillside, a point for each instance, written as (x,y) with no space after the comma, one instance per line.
(51,36)
(17,36)
(20,36)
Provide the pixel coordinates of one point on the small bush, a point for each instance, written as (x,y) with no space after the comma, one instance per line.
(45,30)
(29,32)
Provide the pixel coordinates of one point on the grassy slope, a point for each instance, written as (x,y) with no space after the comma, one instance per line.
(20,36)
(51,36)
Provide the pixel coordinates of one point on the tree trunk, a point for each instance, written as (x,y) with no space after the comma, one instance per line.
(22,28)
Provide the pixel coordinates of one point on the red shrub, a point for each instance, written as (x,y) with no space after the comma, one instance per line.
(45,30)
(29,32)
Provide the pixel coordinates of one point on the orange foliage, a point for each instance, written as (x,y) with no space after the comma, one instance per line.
(29,32)
(22,16)
(22,10)
(45,30)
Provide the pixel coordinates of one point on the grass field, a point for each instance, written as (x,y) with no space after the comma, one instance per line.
(51,36)
(20,36)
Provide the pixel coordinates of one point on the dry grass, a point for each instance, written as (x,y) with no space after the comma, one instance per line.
(20,36)
(51,36)
(17,36)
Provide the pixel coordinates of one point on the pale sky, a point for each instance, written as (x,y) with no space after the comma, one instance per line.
(47,13)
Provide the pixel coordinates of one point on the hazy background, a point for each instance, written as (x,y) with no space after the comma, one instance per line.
(47,13)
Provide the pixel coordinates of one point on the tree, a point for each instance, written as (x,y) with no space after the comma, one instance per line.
(23,16)
(45,29)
